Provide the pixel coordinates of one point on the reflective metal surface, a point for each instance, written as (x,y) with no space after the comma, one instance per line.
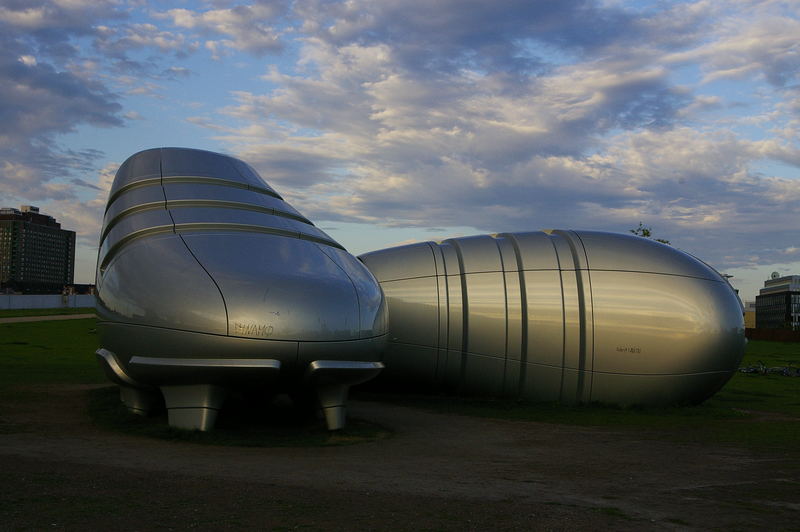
(332,379)
(572,316)
(206,276)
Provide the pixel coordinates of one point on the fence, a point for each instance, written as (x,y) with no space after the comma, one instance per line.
(19,301)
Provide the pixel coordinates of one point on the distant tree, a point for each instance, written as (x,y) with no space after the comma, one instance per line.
(647,232)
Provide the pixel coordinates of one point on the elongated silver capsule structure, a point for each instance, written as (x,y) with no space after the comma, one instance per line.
(571,316)
(207,281)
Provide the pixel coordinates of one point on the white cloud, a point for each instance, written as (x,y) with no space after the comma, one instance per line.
(129,37)
(27,60)
(59,14)
(245,27)
(748,45)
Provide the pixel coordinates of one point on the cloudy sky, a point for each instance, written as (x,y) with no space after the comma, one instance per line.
(388,122)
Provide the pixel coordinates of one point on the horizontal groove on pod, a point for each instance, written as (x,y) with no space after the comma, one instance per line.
(130,237)
(150,206)
(151,181)
(218,181)
(223,204)
(200,204)
(202,226)
(249,228)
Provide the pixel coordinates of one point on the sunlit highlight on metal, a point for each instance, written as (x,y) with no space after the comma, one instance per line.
(208,281)
(570,316)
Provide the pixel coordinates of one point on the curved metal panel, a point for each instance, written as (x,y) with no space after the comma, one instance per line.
(113,369)
(450,256)
(659,390)
(414,367)
(534,250)
(180,194)
(371,304)
(663,324)
(133,226)
(457,313)
(127,340)
(279,288)
(178,370)
(250,175)
(483,374)
(542,383)
(156,281)
(516,341)
(212,215)
(141,198)
(546,318)
(305,229)
(361,350)
(608,251)
(487,314)
(191,162)
(142,166)
(402,262)
(569,249)
(478,253)
(508,254)
(415,310)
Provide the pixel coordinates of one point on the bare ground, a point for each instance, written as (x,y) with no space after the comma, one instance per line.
(438,472)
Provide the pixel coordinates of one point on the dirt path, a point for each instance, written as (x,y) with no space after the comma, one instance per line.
(437,472)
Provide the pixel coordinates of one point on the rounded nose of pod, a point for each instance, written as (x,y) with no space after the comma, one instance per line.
(667,327)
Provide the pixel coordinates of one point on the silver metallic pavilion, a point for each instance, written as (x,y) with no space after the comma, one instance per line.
(572,316)
(208,280)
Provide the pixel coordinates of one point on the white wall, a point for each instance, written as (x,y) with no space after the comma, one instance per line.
(14,301)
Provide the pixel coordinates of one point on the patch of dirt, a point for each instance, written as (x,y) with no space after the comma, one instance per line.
(437,472)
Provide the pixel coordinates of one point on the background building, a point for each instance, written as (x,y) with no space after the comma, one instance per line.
(36,255)
(778,303)
(750,314)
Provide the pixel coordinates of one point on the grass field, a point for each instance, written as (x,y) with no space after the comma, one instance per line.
(17,312)
(753,410)
(48,352)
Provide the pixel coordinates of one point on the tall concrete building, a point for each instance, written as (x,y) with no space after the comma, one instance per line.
(36,255)
(778,303)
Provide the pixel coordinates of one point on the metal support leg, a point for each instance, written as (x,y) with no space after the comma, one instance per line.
(140,401)
(333,398)
(193,407)
(332,380)
(137,397)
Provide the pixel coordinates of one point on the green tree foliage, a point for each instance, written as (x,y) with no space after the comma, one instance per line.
(646,232)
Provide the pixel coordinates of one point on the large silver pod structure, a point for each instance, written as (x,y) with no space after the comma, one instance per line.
(207,280)
(572,316)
